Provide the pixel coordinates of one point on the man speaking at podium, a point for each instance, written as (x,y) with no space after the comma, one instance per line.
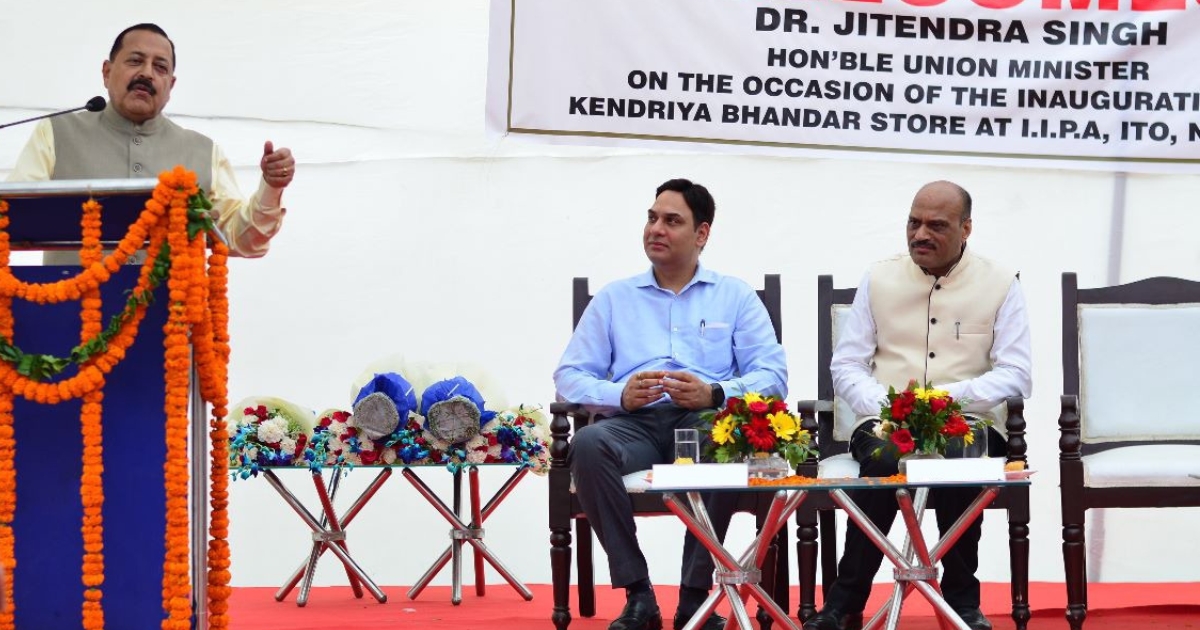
(130,138)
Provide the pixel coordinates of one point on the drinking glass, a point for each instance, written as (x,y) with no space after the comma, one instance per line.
(979,447)
(687,446)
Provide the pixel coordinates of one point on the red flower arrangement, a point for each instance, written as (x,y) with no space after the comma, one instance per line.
(922,420)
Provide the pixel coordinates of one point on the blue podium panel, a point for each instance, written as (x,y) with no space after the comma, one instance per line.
(49,545)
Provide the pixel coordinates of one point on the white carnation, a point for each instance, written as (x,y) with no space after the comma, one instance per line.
(287,445)
(476,457)
(272,430)
(389,456)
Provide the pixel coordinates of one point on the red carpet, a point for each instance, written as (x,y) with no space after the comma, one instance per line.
(1113,607)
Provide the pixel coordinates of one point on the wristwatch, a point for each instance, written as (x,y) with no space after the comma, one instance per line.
(718,398)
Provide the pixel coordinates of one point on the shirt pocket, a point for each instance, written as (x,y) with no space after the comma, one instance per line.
(968,328)
(716,346)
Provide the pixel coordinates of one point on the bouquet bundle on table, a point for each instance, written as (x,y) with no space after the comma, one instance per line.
(449,424)
(268,431)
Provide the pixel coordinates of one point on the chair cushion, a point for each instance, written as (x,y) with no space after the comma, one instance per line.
(635,482)
(1119,397)
(1153,465)
(838,467)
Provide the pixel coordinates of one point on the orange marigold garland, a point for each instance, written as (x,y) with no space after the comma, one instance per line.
(198,306)
(176,587)
(213,369)
(8,446)
(91,485)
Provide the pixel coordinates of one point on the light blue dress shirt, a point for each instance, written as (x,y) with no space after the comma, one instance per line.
(716,328)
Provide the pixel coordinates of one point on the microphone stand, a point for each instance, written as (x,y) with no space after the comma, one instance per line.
(95,104)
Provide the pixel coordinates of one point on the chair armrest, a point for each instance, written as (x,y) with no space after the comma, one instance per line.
(1069,440)
(564,408)
(560,431)
(559,504)
(1014,426)
(812,407)
(807,410)
(565,417)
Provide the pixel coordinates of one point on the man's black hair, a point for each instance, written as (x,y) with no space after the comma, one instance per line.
(696,196)
(144,26)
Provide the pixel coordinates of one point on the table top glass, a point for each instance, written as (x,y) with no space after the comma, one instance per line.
(849,483)
(382,466)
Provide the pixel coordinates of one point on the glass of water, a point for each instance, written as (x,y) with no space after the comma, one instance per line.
(687,446)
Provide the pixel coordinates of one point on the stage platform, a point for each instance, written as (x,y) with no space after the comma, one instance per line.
(1162,606)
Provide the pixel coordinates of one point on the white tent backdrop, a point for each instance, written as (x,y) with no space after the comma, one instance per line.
(411,231)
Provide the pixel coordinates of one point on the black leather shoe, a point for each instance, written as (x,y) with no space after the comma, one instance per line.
(640,613)
(714,621)
(834,619)
(974,619)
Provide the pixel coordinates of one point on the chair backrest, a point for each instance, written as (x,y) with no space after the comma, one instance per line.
(832,306)
(1130,354)
(770,294)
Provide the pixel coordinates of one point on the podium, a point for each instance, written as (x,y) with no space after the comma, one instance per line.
(48,592)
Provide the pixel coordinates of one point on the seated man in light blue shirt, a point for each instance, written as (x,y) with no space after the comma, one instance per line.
(650,353)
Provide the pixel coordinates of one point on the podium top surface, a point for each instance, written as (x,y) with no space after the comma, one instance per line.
(81,188)
(45,215)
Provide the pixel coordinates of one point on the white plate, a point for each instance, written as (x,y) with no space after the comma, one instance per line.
(1017,475)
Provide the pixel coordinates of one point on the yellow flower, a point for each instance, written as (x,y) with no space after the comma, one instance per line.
(752,397)
(722,432)
(784,425)
(927,394)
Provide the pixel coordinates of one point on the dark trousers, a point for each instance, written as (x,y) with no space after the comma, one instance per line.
(861,558)
(602,452)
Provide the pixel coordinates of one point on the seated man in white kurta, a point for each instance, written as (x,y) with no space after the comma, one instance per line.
(945,317)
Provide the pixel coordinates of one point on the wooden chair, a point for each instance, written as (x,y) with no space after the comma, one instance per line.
(1127,439)
(565,508)
(836,461)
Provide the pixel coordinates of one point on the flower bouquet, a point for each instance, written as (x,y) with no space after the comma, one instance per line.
(757,427)
(266,431)
(513,436)
(922,420)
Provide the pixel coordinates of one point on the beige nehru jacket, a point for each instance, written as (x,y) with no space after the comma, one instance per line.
(105,145)
(935,330)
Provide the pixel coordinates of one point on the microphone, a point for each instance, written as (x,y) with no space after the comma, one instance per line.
(95,104)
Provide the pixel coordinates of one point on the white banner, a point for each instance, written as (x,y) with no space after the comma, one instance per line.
(1109,84)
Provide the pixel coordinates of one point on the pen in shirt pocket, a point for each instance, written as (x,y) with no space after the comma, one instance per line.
(702,325)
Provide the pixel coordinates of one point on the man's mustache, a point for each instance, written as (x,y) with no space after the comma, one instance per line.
(146,83)
(916,244)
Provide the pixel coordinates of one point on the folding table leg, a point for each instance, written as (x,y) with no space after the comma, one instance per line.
(738,579)
(477,522)
(916,567)
(328,533)
(462,533)
(309,566)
